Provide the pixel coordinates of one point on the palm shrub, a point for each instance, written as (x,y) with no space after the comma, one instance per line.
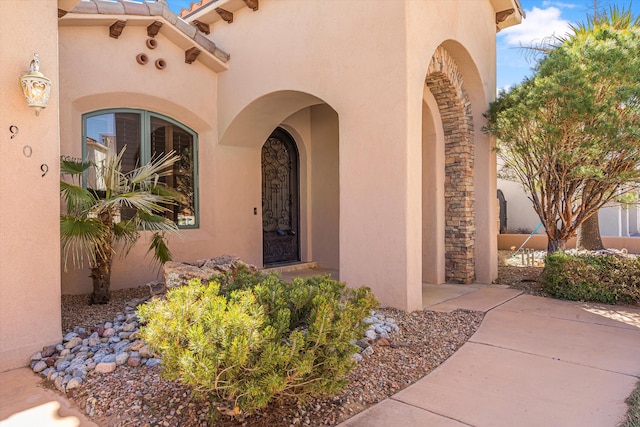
(264,340)
(113,213)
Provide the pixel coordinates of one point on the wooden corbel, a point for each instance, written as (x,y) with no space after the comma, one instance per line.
(252,4)
(503,14)
(154,28)
(201,26)
(191,54)
(116,29)
(225,14)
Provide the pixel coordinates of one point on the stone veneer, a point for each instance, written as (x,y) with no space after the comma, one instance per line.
(446,84)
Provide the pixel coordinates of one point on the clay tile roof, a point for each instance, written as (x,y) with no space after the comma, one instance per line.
(196,5)
(150,8)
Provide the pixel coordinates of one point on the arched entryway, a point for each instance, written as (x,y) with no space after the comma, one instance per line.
(448,96)
(312,128)
(280,199)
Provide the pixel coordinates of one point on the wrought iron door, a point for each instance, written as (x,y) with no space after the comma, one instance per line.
(281,243)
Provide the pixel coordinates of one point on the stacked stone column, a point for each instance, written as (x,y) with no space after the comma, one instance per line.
(446,84)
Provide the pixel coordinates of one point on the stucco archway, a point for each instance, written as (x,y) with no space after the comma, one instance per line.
(446,85)
(313,126)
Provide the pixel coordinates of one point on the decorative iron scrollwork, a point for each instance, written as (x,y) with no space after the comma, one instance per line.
(280,199)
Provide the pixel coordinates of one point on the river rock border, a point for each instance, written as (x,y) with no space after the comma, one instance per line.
(115,343)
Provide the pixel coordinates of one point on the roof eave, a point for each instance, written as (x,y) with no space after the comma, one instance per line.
(508,13)
(178,31)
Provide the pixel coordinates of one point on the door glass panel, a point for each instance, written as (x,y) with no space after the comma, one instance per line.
(280,199)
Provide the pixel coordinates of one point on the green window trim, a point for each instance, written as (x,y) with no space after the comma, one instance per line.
(145,143)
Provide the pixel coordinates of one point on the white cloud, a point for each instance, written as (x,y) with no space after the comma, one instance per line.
(536,27)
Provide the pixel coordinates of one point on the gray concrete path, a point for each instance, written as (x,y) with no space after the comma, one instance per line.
(533,362)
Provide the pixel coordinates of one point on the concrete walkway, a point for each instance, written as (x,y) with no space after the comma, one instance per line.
(25,403)
(533,362)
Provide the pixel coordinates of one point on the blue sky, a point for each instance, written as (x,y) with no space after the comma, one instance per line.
(544,18)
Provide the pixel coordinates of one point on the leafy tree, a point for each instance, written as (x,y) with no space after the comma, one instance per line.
(112,213)
(570,133)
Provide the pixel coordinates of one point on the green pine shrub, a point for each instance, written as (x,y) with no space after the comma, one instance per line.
(606,279)
(259,339)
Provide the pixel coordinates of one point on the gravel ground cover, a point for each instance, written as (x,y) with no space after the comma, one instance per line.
(139,396)
(512,272)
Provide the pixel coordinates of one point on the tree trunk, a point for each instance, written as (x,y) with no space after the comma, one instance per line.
(101,275)
(589,234)
(554,245)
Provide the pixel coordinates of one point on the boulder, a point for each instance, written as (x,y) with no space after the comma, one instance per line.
(178,273)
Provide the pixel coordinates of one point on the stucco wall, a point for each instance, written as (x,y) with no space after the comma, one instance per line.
(353,99)
(614,220)
(374,80)
(184,92)
(325,193)
(29,219)
(229,176)
(538,242)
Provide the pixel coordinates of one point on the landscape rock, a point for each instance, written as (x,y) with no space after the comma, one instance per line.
(73,342)
(133,361)
(39,366)
(47,352)
(179,274)
(145,352)
(153,362)
(367,351)
(74,383)
(105,368)
(121,358)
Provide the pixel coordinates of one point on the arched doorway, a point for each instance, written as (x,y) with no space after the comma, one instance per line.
(280,199)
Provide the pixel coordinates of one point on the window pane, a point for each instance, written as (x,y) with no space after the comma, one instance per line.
(128,134)
(100,140)
(112,131)
(167,137)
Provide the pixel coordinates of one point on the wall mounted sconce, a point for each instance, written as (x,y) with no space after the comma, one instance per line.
(35,86)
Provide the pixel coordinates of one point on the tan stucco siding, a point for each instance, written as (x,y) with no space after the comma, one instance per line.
(29,218)
(373,80)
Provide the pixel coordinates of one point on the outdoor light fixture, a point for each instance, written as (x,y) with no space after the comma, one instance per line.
(35,86)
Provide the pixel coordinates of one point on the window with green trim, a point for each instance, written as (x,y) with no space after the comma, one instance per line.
(146,135)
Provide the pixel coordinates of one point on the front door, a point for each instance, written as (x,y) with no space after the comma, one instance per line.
(281,243)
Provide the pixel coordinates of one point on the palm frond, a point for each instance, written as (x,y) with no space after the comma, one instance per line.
(166,192)
(148,174)
(80,237)
(161,252)
(142,201)
(110,170)
(152,222)
(126,234)
(77,198)
(71,166)
(124,229)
